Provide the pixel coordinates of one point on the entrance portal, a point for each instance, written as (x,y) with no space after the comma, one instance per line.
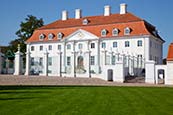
(80,65)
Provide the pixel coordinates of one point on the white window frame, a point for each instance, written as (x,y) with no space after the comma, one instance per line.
(103,32)
(115,32)
(60,35)
(92,60)
(127,31)
(115,44)
(41,37)
(50,36)
(127,44)
(139,43)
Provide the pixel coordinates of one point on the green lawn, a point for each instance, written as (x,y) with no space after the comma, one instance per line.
(85,100)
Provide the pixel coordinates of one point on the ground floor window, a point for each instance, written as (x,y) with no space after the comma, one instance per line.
(50,61)
(68,61)
(92,60)
(32,61)
(41,61)
(113,60)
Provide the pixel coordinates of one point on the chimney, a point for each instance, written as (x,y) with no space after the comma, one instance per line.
(107,10)
(78,14)
(123,8)
(64,15)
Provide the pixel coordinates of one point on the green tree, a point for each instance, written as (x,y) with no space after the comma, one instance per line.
(26,30)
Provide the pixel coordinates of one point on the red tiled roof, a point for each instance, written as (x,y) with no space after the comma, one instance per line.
(95,25)
(170,53)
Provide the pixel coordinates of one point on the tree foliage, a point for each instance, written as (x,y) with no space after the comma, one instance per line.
(26,30)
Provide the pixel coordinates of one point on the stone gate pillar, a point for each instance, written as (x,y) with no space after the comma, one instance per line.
(150,72)
(18,62)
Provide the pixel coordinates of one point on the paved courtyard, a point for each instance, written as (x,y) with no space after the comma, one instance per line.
(40,80)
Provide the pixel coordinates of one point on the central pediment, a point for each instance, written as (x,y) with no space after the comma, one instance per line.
(81,35)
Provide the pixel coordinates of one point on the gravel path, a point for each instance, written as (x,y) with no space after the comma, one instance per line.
(40,80)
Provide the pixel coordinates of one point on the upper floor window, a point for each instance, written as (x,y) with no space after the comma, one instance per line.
(115,32)
(127,44)
(114,44)
(41,36)
(50,36)
(103,45)
(79,46)
(32,48)
(85,22)
(92,45)
(127,31)
(103,32)
(50,47)
(59,47)
(60,35)
(68,46)
(32,61)
(139,43)
(41,48)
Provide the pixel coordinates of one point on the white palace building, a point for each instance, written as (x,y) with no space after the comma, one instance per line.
(116,45)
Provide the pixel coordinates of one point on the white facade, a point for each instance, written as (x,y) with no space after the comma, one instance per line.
(80,43)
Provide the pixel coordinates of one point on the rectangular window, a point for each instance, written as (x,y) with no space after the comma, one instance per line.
(113,60)
(92,45)
(68,46)
(127,44)
(50,47)
(32,61)
(107,60)
(80,46)
(139,43)
(68,61)
(103,45)
(59,47)
(114,44)
(41,61)
(49,61)
(32,48)
(151,43)
(41,48)
(92,60)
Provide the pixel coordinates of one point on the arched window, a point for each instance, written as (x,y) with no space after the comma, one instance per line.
(80,46)
(41,36)
(50,36)
(127,31)
(68,46)
(103,32)
(115,32)
(60,35)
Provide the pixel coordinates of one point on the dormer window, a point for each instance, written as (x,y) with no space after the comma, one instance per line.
(60,35)
(85,22)
(115,32)
(127,31)
(50,36)
(103,32)
(41,36)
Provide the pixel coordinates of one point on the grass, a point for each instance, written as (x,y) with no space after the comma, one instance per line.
(44,100)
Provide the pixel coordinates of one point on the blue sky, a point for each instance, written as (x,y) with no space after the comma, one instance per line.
(12,12)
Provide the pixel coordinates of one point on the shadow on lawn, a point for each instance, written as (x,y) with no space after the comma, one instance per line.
(18,98)
(43,87)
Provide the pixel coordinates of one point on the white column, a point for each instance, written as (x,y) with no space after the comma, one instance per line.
(27,71)
(147,49)
(18,61)
(150,72)
(98,56)
(45,64)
